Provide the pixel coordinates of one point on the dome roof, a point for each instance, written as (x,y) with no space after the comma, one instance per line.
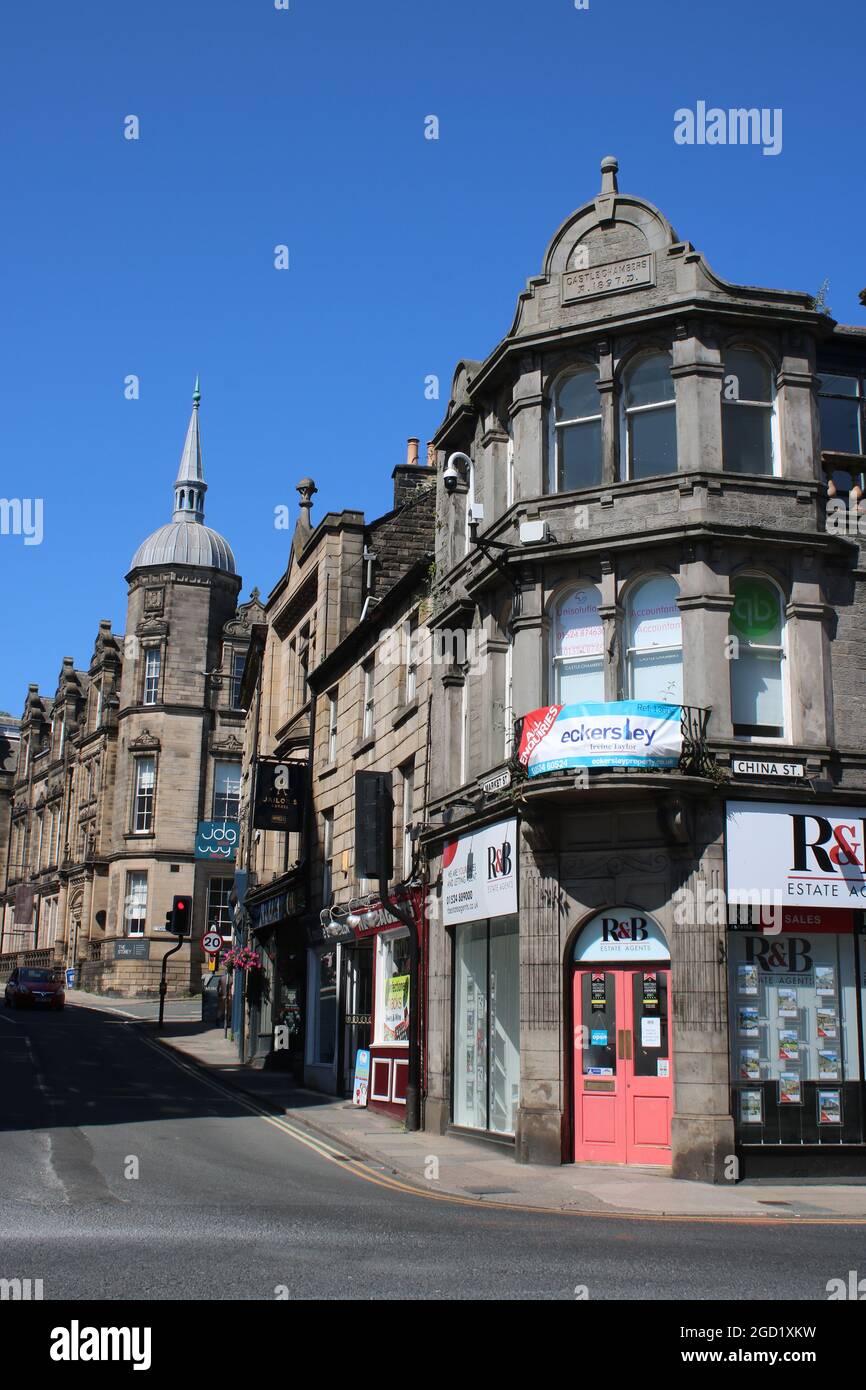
(185,540)
(186,543)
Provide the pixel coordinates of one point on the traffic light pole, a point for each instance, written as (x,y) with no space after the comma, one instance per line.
(162,984)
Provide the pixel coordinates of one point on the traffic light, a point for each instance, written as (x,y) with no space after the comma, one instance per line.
(181,914)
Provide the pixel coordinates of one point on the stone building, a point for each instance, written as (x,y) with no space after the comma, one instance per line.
(128,781)
(645,504)
(336,682)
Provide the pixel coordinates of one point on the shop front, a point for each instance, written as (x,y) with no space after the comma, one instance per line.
(797,985)
(479,896)
(275,989)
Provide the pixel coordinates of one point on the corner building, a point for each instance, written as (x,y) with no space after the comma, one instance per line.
(644,525)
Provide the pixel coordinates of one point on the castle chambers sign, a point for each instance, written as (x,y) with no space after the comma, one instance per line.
(590,281)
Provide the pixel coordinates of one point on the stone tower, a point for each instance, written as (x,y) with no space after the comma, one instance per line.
(179,738)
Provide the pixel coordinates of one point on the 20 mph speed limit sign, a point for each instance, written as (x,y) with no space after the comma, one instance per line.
(212,942)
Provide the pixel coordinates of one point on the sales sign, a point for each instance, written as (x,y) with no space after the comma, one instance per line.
(624,733)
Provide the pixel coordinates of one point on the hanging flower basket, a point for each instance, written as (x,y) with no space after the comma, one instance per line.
(244,958)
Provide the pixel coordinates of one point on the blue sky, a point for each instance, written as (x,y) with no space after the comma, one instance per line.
(305,127)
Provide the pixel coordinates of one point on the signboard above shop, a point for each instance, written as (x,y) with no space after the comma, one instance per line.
(479,874)
(624,733)
(791,852)
(621,934)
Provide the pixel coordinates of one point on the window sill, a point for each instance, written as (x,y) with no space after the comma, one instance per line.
(140,835)
(363,746)
(405,712)
(328,770)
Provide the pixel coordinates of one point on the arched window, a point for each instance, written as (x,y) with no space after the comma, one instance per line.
(578,647)
(748,411)
(757,652)
(654,646)
(577,432)
(649,417)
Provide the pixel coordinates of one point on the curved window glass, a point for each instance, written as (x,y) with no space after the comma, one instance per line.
(577,432)
(650,417)
(578,647)
(757,655)
(654,650)
(748,408)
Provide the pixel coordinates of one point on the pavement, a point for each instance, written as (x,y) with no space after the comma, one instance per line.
(475,1170)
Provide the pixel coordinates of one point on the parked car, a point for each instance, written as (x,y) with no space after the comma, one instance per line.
(31,987)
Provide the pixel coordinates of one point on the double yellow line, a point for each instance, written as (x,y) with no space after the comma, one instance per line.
(363,1170)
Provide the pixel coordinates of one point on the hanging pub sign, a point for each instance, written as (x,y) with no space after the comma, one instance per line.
(623,733)
(280,795)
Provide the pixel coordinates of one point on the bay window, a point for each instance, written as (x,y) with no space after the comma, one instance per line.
(748,414)
(649,417)
(578,647)
(654,643)
(757,651)
(577,432)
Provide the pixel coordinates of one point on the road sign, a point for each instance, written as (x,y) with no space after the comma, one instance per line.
(212,942)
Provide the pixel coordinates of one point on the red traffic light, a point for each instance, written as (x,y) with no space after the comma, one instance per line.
(181,914)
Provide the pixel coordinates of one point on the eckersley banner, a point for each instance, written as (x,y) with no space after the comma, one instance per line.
(625,733)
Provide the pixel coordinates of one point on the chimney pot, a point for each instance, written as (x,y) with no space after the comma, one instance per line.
(412,453)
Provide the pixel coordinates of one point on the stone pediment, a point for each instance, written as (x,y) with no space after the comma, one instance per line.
(146,742)
(227,744)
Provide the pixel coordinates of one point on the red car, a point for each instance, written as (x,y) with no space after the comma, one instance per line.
(28,986)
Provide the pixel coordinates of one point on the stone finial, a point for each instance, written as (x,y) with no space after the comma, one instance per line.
(609,170)
(863,297)
(306,487)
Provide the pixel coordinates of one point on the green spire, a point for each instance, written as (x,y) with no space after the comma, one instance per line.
(196,395)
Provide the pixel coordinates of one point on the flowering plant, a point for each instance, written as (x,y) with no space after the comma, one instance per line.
(242,958)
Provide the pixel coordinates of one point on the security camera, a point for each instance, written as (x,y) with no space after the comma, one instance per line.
(451,475)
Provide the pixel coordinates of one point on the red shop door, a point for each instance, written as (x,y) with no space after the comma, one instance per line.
(623,1081)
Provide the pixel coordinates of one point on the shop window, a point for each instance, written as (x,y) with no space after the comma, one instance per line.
(219,911)
(756,650)
(577,432)
(578,647)
(226,791)
(135,904)
(748,413)
(487,1025)
(392,987)
(795,1048)
(654,650)
(649,417)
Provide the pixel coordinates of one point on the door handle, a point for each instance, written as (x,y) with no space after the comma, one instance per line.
(624,1050)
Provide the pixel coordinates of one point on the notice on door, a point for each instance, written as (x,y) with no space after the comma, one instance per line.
(650,1032)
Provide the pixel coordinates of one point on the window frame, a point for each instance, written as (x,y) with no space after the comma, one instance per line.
(384,939)
(784,663)
(327,856)
(368,697)
(333,699)
(127,902)
(557,425)
(635,585)
(556,660)
(151,685)
(627,411)
(214,923)
(149,811)
(216,814)
(772,406)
